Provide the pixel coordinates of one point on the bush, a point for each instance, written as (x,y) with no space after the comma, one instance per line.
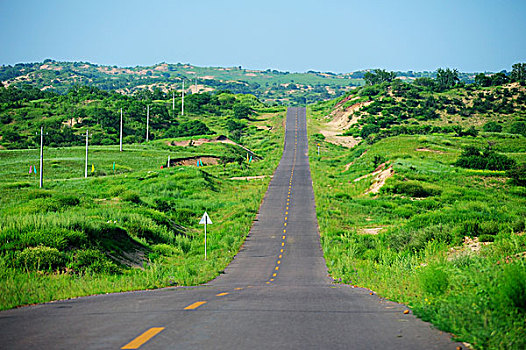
(492,127)
(39,258)
(369,129)
(413,189)
(518,175)
(487,159)
(518,128)
(434,280)
(91,260)
(512,286)
(131,196)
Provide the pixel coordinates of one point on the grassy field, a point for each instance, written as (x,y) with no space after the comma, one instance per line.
(133,229)
(445,240)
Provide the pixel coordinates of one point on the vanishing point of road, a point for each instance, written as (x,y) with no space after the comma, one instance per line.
(276,293)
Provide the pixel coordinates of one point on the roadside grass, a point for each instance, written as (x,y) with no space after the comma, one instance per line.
(135,229)
(420,255)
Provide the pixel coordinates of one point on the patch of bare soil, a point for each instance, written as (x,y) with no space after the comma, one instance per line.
(342,119)
(219,139)
(134,259)
(380,176)
(470,245)
(71,122)
(193,161)
(186,143)
(428,150)
(162,67)
(370,231)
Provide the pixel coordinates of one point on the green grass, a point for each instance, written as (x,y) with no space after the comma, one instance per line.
(135,229)
(425,210)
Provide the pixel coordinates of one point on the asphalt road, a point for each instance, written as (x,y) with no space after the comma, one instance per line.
(275,294)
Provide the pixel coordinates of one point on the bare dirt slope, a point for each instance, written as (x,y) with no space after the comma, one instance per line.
(342,119)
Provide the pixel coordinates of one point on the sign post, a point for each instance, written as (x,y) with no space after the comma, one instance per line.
(205,220)
(318,149)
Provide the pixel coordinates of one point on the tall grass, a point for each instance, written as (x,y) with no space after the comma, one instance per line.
(424,212)
(134,229)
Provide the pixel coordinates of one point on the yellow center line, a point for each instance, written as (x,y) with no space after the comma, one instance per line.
(282,244)
(279,262)
(277,268)
(285,224)
(143,338)
(280,256)
(268,282)
(221,294)
(281,251)
(274,274)
(271,280)
(286,213)
(238,288)
(286,217)
(283,237)
(195,305)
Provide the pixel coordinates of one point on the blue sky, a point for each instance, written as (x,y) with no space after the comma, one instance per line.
(336,36)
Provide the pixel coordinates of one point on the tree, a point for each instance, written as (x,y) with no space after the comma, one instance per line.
(446,78)
(518,72)
(242,111)
(379,76)
(483,80)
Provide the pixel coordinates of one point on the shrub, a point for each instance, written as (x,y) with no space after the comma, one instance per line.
(512,286)
(369,129)
(492,127)
(518,175)
(91,260)
(67,200)
(130,196)
(518,128)
(116,190)
(434,280)
(413,189)
(40,258)
(487,159)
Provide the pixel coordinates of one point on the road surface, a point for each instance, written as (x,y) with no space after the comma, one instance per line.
(275,294)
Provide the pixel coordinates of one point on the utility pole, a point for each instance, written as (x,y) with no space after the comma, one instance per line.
(182,100)
(120,139)
(86,165)
(147,122)
(41,156)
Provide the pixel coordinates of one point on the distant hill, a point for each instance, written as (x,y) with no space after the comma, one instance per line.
(270,86)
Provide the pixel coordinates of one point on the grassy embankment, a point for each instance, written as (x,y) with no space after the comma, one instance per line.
(135,229)
(419,255)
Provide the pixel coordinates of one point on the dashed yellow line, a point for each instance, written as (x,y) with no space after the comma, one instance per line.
(222,294)
(195,305)
(143,338)
(238,288)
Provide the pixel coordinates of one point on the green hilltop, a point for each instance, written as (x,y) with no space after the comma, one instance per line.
(270,86)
